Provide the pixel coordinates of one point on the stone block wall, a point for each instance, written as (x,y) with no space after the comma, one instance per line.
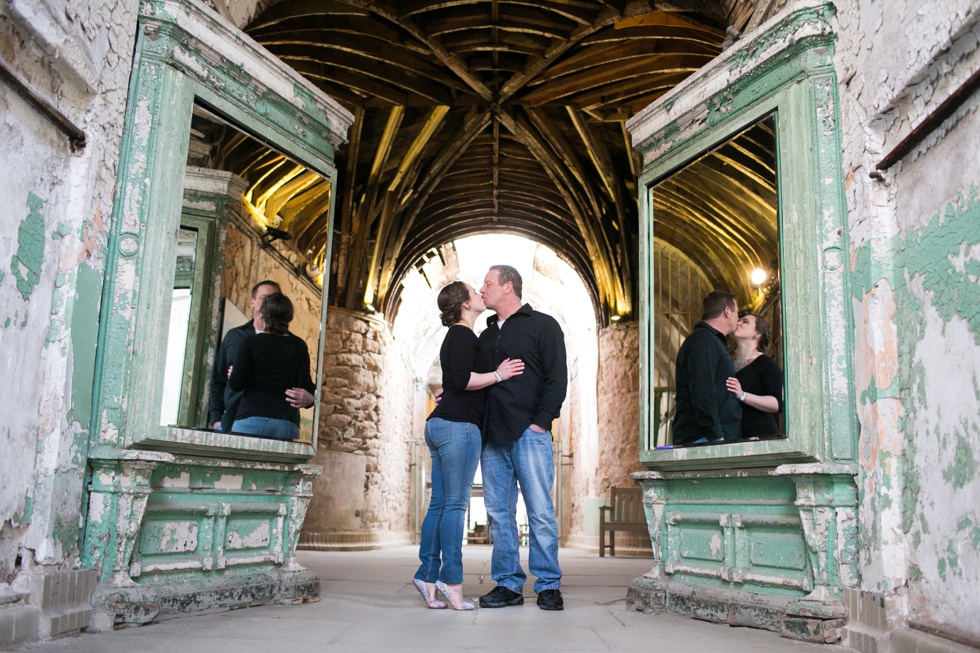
(607,461)
(367,419)
(247,263)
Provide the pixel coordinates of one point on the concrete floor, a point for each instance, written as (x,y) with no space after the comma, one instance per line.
(369,604)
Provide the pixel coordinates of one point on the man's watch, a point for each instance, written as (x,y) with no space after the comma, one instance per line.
(496,375)
(742,398)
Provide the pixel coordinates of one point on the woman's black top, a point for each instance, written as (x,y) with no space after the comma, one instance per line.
(265,367)
(764,378)
(461,354)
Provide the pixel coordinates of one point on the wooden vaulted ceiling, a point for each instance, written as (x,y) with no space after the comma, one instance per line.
(475,116)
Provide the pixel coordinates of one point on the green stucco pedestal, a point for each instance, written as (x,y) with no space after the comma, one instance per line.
(765,548)
(172,535)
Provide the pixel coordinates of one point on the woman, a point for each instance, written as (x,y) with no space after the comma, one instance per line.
(758,381)
(452,433)
(266,366)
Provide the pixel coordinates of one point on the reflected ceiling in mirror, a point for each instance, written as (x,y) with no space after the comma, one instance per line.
(720,211)
(282,196)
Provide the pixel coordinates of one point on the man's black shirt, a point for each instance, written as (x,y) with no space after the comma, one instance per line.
(705,407)
(223,404)
(534,397)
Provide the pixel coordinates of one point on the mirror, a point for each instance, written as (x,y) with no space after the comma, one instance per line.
(250,214)
(715,226)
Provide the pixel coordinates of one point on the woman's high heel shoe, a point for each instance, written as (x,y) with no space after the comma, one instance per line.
(431,602)
(462,605)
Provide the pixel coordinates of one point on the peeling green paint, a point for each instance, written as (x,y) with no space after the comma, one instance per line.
(26,263)
(873,392)
(84,322)
(963,470)
(915,574)
(948,253)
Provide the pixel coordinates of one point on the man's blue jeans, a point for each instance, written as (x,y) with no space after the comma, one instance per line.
(530,462)
(279,429)
(455,448)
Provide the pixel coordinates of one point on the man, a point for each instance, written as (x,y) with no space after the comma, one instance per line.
(223,401)
(706,412)
(517,430)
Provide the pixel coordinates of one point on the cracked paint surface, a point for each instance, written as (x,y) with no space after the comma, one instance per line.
(51,247)
(915,268)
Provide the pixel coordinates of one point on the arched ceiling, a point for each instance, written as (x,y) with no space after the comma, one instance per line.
(475,116)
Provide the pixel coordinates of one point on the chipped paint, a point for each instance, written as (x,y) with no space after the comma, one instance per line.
(27,262)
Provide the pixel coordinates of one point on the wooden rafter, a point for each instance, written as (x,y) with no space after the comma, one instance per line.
(482,115)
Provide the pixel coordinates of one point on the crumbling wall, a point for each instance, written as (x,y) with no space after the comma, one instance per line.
(62,99)
(76,61)
(911,133)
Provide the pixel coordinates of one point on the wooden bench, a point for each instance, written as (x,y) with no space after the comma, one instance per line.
(624,514)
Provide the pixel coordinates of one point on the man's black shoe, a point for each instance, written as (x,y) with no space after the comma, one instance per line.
(551,600)
(501,597)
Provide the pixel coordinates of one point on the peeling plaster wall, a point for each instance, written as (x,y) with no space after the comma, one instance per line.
(915,263)
(77,59)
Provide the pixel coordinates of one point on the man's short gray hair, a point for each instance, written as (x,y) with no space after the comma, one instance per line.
(505,274)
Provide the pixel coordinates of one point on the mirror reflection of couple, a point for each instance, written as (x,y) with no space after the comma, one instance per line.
(500,393)
(262,374)
(719,400)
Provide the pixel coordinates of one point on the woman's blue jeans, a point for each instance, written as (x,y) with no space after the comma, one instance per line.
(279,429)
(455,448)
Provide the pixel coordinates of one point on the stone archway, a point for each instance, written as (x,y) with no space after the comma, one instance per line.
(376,396)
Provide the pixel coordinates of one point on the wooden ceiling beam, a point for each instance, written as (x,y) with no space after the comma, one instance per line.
(376,75)
(587,58)
(580,13)
(602,262)
(599,155)
(448,59)
(319,46)
(603,74)
(513,19)
(535,66)
(303,9)
(473,125)
(567,157)
(620,96)
(431,125)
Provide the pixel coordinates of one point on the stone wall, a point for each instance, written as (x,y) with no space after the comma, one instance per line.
(911,131)
(76,60)
(368,416)
(619,417)
(607,459)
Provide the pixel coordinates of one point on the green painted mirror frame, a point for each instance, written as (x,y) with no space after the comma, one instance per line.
(787,72)
(187,54)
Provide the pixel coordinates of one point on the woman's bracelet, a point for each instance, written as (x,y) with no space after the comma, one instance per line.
(742,398)
(496,375)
